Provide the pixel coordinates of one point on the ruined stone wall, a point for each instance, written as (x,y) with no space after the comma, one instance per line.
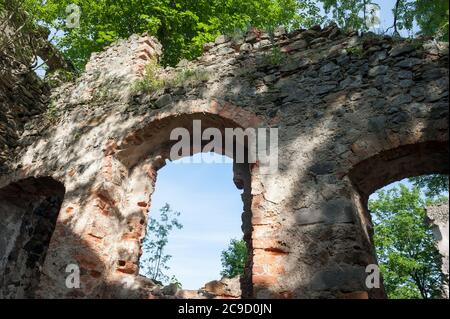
(353,112)
(438,215)
(29,210)
(23,95)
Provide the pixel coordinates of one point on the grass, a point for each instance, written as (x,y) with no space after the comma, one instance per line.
(274,57)
(153,81)
(188,77)
(356,51)
(236,34)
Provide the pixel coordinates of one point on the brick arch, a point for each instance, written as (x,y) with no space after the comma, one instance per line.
(415,131)
(409,160)
(135,160)
(139,143)
(29,209)
(385,167)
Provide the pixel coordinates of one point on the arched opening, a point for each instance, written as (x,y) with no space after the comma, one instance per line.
(407,240)
(211,214)
(387,169)
(28,209)
(146,151)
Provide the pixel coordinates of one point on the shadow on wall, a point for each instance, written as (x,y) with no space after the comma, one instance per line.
(392,165)
(28,213)
(138,157)
(327,127)
(352,128)
(396,164)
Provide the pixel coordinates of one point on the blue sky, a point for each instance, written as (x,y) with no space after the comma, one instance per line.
(387,17)
(210,207)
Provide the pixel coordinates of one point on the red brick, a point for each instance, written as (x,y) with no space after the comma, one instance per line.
(354,295)
(264,280)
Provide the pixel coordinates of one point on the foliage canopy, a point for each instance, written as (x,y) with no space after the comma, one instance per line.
(234,258)
(406,250)
(183,26)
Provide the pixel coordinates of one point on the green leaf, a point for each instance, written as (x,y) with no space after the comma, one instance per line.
(404,242)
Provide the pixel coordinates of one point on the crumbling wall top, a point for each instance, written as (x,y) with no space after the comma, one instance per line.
(438,213)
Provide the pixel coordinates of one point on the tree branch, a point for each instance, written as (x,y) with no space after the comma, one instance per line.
(397,4)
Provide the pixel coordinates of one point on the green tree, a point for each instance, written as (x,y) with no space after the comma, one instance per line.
(348,14)
(155,263)
(434,185)
(406,250)
(234,258)
(431,16)
(182,26)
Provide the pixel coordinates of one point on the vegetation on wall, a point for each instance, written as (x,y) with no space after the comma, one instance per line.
(406,249)
(154,81)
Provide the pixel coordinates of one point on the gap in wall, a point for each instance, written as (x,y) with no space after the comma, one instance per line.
(210,207)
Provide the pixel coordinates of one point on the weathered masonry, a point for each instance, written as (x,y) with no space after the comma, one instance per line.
(438,217)
(354,113)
